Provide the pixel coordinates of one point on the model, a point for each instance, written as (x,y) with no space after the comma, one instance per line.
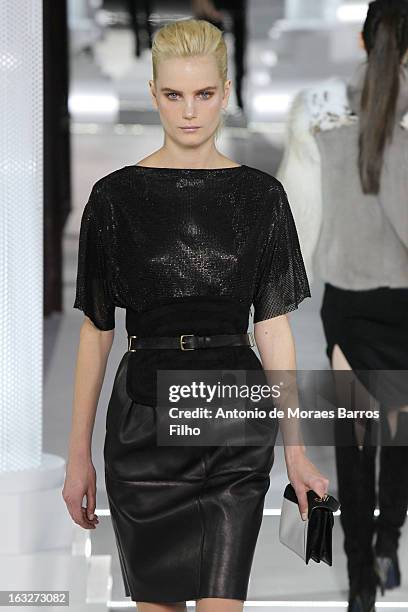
(351,144)
(186,241)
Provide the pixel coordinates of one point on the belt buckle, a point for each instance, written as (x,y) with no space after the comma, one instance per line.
(129,344)
(251,339)
(181,342)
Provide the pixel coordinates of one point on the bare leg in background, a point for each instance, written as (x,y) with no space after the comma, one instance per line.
(339,362)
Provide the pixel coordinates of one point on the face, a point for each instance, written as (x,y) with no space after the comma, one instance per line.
(189,92)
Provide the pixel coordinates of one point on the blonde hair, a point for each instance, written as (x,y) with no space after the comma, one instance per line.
(187,38)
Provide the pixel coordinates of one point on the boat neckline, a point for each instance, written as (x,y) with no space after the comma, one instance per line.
(189,169)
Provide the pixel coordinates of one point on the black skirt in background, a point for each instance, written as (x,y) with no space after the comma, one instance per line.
(371,328)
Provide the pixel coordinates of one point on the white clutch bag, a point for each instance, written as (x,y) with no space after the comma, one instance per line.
(310,539)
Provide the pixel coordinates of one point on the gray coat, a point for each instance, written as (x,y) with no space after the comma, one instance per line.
(361,241)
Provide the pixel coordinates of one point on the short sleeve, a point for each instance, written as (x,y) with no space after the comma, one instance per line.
(281,280)
(93,294)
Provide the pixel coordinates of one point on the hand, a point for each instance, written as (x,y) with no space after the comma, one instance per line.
(304,476)
(80,480)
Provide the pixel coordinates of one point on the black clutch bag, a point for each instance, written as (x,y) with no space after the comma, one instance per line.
(310,539)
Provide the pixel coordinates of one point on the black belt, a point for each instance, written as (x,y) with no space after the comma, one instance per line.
(189,342)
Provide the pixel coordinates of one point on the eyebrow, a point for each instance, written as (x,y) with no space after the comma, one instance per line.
(164,89)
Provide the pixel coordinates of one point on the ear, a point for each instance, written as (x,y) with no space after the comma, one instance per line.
(361,41)
(153,93)
(227,92)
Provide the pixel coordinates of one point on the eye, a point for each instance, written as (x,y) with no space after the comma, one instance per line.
(206,94)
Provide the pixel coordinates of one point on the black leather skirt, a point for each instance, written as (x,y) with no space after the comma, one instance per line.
(186,518)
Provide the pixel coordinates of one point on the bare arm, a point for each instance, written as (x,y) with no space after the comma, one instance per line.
(93,352)
(276,347)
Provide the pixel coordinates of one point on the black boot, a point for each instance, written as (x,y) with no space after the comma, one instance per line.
(363,590)
(393,502)
(356,493)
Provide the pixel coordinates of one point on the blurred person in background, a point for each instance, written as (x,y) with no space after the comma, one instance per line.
(139,14)
(212,11)
(345,169)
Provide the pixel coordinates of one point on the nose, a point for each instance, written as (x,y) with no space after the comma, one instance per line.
(189,110)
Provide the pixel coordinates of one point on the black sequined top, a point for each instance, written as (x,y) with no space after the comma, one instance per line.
(187,251)
(150,235)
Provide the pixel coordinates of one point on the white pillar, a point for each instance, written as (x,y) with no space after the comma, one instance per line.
(36,530)
(26,474)
(21,250)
